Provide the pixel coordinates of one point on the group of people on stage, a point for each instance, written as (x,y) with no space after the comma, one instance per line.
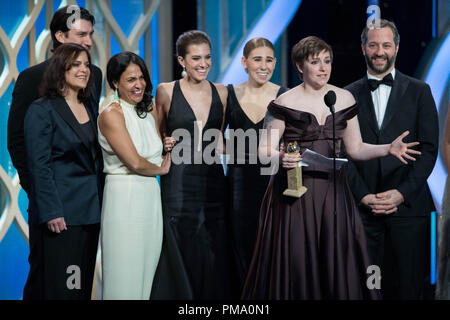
(91,171)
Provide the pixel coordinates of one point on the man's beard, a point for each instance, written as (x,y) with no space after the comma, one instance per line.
(388,65)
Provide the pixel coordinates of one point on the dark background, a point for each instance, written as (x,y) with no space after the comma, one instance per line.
(339,23)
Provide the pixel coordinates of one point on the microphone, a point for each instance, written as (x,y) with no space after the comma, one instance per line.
(330,100)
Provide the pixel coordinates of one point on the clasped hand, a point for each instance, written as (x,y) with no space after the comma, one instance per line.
(57,225)
(384,202)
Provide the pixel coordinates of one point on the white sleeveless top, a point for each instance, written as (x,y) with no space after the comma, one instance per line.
(143,134)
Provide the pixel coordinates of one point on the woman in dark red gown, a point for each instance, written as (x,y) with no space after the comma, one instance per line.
(304,250)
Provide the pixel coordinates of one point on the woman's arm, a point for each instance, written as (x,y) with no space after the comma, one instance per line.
(357,150)
(162,106)
(111,123)
(268,149)
(223,94)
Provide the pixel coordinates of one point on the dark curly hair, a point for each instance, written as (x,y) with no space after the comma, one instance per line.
(117,65)
(54,79)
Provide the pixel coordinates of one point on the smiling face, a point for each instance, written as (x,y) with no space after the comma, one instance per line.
(81,33)
(380,51)
(77,74)
(197,61)
(316,70)
(131,85)
(260,64)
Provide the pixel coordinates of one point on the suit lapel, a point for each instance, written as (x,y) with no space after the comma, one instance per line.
(393,105)
(60,105)
(368,109)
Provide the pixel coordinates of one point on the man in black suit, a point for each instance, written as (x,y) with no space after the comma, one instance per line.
(395,201)
(63,30)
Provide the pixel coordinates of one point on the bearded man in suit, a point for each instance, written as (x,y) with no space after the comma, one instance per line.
(64,29)
(395,200)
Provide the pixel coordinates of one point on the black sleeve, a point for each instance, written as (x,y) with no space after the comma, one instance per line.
(24,93)
(428,136)
(98,81)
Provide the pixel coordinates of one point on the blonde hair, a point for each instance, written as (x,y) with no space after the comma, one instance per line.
(257,43)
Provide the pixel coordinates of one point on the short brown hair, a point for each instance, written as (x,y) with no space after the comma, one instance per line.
(60,18)
(54,77)
(257,43)
(190,37)
(309,47)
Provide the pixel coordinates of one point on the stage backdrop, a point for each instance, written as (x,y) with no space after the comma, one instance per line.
(141,26)
(145,27)
(24,41)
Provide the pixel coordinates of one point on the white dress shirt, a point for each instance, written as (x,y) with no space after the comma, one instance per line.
(380,98)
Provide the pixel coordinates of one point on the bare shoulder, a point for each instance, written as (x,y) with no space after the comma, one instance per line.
(163,95)
(222,90)
(273,88)
(165,89)
(287,97)
(344,98)
(223,93)
(111,115)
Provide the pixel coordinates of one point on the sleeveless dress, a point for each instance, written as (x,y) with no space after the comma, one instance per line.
(298,255)
(195,259)
(246,186)
(131,223)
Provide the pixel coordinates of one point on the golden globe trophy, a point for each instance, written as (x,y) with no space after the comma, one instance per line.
(294,176)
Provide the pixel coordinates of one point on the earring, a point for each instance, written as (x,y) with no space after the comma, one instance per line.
(184,73)
(116,95)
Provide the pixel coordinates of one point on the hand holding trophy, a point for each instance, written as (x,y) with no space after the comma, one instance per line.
(294,175)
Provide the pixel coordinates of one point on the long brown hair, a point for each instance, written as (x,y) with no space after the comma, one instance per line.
(54,80)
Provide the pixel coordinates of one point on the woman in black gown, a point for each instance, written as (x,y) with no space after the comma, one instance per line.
(246,108)
(195,257)
(300,253)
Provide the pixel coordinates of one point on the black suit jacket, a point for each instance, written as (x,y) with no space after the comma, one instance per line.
(25,92)
(65,169)
(410,107)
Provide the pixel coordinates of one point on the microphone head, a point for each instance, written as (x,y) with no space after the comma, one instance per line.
(330,98)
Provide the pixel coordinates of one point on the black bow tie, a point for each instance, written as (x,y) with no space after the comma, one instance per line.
(387,80)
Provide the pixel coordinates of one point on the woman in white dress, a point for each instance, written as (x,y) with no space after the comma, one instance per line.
(131,223)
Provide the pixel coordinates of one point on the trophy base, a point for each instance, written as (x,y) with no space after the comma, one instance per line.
(296,193)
